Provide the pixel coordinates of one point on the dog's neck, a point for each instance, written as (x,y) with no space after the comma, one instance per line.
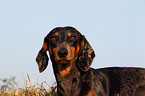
(67,77)
(65,70)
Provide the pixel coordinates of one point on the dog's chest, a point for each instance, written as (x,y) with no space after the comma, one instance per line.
(70,84)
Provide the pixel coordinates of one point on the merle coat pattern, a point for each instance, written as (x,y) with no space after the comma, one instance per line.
(72,55)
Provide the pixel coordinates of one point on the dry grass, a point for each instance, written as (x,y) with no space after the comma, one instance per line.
(31,90)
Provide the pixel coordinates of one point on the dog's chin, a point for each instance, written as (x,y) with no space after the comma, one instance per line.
(63,61)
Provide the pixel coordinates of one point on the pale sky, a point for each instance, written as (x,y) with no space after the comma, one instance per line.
(114,28)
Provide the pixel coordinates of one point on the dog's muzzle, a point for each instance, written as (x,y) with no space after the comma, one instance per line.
(62,52)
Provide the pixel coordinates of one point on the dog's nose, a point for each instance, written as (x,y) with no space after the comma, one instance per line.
(62,52)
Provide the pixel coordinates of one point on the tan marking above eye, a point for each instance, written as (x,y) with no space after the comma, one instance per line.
(71,37)
(56,34)
(54,38)
(69,34)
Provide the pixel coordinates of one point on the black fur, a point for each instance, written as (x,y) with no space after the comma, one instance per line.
(72,68)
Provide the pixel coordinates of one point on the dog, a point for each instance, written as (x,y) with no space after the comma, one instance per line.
(72,55)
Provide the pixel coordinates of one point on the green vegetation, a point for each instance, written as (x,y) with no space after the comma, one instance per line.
(8,88)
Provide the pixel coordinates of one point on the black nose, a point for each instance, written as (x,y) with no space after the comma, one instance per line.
(62,52)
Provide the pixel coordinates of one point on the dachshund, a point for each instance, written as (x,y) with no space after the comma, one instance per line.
(72,55)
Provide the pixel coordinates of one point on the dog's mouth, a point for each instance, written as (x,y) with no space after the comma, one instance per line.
(63,61)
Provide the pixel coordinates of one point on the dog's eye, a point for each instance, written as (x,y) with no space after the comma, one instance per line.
(72,38)
(53,38)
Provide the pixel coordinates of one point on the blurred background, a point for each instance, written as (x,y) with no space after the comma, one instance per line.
(114,28)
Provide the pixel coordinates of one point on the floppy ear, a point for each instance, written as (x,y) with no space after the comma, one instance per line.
(86,55)
(42,58)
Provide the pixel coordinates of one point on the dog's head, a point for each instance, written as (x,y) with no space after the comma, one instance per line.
(66,45)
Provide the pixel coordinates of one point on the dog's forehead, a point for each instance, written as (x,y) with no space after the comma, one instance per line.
(63,31)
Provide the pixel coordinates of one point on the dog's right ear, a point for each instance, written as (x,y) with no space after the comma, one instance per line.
(42,58)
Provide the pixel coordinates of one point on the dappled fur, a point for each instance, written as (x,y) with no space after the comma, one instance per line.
(72,55)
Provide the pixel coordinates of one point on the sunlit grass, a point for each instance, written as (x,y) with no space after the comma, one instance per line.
(28,89)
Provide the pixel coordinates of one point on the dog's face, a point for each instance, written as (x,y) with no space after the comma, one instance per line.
(65,45)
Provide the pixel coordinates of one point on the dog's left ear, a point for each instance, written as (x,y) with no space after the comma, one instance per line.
(42,58)
(86,55)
